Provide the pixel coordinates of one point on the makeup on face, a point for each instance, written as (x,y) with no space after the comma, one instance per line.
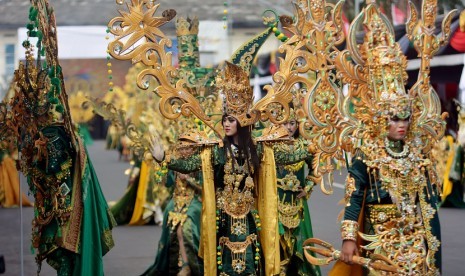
(398,128)
(230,125)
(291,127)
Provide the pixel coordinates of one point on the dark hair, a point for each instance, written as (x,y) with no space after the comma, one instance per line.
(245,145)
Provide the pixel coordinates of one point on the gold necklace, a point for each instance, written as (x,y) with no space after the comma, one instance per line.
(397,155)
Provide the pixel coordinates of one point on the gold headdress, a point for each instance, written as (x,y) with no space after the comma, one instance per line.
(234,84)
(383,74)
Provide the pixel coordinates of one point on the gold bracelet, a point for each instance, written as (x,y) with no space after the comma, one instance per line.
(349,230)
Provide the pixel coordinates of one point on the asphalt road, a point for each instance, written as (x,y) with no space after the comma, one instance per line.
(136,245)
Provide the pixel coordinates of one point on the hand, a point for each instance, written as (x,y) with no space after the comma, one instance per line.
(349,249)
(302,194)
(183,176)
(156,149)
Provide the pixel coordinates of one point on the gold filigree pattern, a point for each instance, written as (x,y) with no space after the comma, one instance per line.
(290,214)
(349,189)
(316,30)
(421,31)
(147,44)
(401,242)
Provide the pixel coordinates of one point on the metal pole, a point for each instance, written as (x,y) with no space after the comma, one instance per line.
(357,7)
(21,225)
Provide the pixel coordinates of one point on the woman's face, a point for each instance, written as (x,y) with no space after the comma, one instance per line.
(229,125)
(398,128)
(291,127)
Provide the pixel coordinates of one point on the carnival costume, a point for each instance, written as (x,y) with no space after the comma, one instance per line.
(392,186)
(72,225)
(295,225)
(246,240)
(184,209)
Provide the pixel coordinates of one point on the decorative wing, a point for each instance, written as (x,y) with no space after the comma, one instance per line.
(316,31)
(430,122)
(138,38)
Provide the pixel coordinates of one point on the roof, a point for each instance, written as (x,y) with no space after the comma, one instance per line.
(243,13)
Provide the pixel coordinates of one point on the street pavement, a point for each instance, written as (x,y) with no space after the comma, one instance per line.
(135,246)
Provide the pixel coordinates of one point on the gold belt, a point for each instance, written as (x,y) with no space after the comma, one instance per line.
(379,213)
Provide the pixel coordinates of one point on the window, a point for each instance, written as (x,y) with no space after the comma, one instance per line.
(9,60)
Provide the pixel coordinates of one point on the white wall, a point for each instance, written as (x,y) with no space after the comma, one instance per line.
(6,37)
(89,41)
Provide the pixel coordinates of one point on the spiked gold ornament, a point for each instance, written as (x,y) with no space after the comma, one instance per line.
(141,40)
(316,30)
(138,38)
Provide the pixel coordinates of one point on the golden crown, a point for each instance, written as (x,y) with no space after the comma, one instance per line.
(187,26)
(385,65)
(233,82)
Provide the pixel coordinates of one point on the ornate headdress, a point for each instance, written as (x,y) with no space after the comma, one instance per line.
(39,98)
(383,74)
(234,84)
(233,81)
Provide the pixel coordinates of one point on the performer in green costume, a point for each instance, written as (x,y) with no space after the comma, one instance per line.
(294,189)
(72,225)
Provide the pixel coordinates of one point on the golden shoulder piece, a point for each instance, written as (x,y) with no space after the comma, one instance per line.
(273,133)
(196,137)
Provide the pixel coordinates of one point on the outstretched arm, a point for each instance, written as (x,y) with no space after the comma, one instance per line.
(188,164)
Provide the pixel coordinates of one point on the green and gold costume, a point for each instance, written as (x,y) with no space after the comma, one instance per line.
(385,229)
(72,224)
(183,210)
(239,233)
(295,225)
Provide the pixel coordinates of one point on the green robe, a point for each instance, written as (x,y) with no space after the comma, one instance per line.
(122,210)
(457,176)
(74,242)
(293,234)
(166,260)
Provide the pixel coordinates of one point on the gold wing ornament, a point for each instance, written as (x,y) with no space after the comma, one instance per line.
(316,30)
(139,138)
(373,74)
(430,123)
(139,39)
(197,81)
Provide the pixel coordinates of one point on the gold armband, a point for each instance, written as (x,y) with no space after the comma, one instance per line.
(349,230)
